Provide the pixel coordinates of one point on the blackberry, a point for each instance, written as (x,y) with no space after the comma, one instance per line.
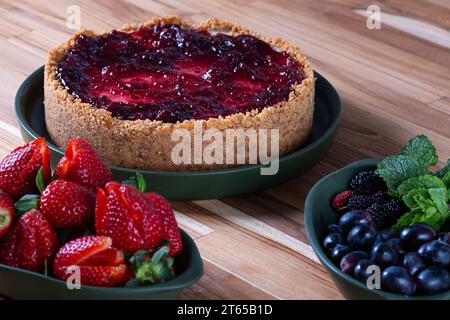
(386,214)
(380,197)
(359,201)
(367,182)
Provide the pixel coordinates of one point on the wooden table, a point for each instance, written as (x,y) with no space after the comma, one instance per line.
(394,83)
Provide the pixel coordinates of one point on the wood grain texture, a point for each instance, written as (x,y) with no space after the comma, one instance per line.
(394,83)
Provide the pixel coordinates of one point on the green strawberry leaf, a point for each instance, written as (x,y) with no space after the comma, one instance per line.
(396,169)
(40,180)
(142,184)
(422,182)
(138,182)
(421,149)
(26,203)
(147,271)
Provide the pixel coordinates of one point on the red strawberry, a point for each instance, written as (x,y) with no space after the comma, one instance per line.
(171,231)
(30,242)
(67,205)
(18,170)
(340,200)
(6,212)
(100,264)
(123,213)
(81,164)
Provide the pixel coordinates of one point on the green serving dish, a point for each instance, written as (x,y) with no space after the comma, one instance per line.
(319,214)
(22,284)
(200,184)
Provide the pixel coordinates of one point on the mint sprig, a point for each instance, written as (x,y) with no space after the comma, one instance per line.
(407,176)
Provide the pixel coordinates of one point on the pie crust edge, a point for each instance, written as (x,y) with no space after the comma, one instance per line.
(146,144)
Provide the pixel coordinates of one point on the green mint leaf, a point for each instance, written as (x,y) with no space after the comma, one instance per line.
(444,171)
(421,149)
(396,169)
(40,180)
(439,197)
(422,182)
(418,200)
(427,205)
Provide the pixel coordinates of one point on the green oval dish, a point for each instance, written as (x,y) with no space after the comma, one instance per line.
(319,214)
(200,184)
(22,284)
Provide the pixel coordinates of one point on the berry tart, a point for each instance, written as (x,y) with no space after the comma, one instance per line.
(127,90)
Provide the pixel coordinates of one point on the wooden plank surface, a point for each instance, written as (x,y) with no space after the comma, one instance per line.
(394,83)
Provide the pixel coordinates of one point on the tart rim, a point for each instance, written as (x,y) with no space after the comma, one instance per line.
(57,54)
(100,122)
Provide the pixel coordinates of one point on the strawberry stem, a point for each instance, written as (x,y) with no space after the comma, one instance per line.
(157,269)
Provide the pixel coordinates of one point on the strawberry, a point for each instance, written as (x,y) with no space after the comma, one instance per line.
(99,263)
(19,169)
(81,164)
(67,205)
(171,231)
(6,212)
(30,243)
(340,201)
(123,213)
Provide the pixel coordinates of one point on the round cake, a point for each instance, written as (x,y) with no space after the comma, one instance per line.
(127,91)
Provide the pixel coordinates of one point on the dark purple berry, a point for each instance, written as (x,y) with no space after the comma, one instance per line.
(349,261)
(332,240)
(361,273)
(354,218)
(334,228)
(433,280)
(388,234)
(436,253)
(397,246)
(412,237)
(444,236)
(413,263)
(338,253)
(362,237)
(383,255)
(398,280)
(367,182)
(359,202)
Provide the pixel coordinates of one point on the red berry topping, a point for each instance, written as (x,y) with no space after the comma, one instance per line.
(169,73)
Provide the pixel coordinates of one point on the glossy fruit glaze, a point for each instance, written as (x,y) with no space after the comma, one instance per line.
(171,74)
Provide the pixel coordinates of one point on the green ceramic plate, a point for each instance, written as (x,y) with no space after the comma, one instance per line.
(22,284)
(319,214)
(201,184)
